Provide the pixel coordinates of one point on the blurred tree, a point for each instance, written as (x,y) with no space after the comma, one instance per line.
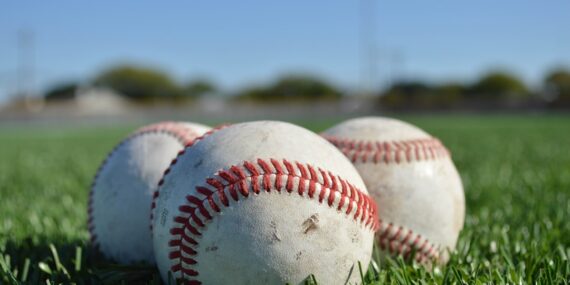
(198,88)
(293,87)
(304,87)
(405,94)
(499,84)
(139,83)
(418,94)
(448,94)
(254,93)
(64,91)
(557,86)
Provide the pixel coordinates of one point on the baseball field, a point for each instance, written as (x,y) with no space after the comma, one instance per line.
(515,170)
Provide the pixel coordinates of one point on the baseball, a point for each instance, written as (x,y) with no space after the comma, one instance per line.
(262,203)
(121,193)
(410,174)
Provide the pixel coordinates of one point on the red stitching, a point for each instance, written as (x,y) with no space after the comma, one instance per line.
(197,210)
(174,161)
(175,129)
(390,237)
(181,132)
(389,151)
(399,241)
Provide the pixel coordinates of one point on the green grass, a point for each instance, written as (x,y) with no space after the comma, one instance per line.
(516,172)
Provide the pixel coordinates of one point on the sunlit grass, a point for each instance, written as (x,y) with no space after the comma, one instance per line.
(516,172)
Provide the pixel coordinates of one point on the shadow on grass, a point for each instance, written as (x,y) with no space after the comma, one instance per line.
(53,260)
(40,259)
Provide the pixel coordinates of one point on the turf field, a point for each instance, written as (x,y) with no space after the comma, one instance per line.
(516,172)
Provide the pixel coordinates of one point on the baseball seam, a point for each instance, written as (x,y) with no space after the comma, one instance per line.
(396,239)
(173,162)
(402,241)
(389,151)
(174,129)
(251,178)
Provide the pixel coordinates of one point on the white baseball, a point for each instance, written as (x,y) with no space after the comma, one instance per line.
(421,204)
(121,193)
(263,203)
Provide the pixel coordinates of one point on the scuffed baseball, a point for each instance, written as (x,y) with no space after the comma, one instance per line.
(121,193)
(410,174)
(235,208)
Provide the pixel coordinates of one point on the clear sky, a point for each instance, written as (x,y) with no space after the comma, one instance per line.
(236,43)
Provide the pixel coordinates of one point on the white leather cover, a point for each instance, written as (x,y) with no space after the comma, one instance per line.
(411,176)
(274,233)
(121,193)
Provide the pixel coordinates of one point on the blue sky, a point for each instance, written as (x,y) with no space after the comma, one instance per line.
(236,43)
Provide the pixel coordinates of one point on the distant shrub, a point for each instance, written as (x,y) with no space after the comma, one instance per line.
(499,84)
(295,87)
(139,83)
(198,88)
(557,87)
(417,94)
(64,91)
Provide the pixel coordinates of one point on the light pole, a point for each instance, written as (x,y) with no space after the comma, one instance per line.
(368,53)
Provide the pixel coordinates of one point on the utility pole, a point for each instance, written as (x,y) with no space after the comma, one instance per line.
(25,64)
(368,53)
(26,71)
(397,60)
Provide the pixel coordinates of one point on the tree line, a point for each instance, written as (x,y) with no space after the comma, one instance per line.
(144,84)
(493,87)
(140,84)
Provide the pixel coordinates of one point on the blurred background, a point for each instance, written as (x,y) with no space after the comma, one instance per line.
(130,61)
(490,78)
